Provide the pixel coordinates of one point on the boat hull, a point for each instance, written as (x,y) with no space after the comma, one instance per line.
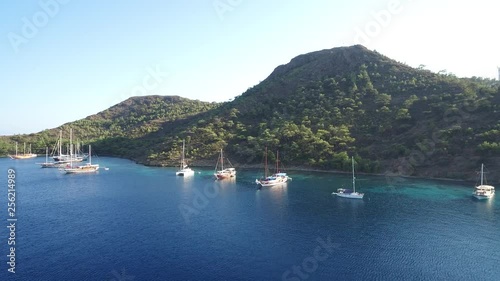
(482,197)
(221,175)
(349,195)
(20,157)
(267,183)
(87,169)
(52,165)
(185,173)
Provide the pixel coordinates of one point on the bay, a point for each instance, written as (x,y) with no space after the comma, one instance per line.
(133,222)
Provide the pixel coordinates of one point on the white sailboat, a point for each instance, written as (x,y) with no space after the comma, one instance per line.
(223,173)
(347,193)
(274,179)
(483,191)
(71,157)
(184,170)
(48,164)
(83,169)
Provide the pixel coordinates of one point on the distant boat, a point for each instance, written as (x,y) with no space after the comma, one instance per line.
(347,193)
(83,169)
(184,170)
(24,155)
(483,191)
(70,157)
(224,173)
(48,164)
(276,178)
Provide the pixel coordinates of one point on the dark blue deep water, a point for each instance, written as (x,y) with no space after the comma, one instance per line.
(141,223)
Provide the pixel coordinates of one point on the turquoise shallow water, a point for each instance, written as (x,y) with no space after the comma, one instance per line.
(142,223)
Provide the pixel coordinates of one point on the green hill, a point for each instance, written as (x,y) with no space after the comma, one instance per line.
(317,110)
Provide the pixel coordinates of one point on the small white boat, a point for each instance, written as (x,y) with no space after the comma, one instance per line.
(483,191)
(347,193)
(184,170)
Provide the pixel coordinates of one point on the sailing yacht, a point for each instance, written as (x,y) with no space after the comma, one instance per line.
(83,169)
(48,164)
(347,193)
(71,157)
(223,173)
(274,179)
(483,191)
(184,170)
(24,155)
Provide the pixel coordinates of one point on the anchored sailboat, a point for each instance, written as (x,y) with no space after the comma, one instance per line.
(223,173)
(347,193)
(276,178)
(83,169)
(24,155)
(483,191)
(184,170)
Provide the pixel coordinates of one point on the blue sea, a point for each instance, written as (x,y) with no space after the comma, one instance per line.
(133,222)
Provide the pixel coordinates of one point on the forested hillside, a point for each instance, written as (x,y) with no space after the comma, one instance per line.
(318,110)
(132,119)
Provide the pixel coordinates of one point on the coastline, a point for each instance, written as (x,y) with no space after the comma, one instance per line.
(301,168)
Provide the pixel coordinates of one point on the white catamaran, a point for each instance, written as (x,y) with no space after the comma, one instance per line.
(347,193)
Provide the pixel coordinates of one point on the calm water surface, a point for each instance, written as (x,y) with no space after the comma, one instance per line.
(141,223)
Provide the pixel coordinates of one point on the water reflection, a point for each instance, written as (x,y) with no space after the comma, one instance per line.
(485,206)
(278,193)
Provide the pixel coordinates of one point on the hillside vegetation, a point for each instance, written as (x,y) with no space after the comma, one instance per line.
(317,110)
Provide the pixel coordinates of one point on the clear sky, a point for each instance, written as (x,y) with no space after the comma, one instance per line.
(62,60)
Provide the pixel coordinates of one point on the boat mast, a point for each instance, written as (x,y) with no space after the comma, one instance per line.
(265,165)
(47,154)
(90,155)
(277,160)
(16,148)
(71,146)
(24,149)
(60,143)
(221,160)
(182,156)
(482,170)
(353,178)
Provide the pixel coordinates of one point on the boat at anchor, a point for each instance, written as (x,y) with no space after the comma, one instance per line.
(348,193)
